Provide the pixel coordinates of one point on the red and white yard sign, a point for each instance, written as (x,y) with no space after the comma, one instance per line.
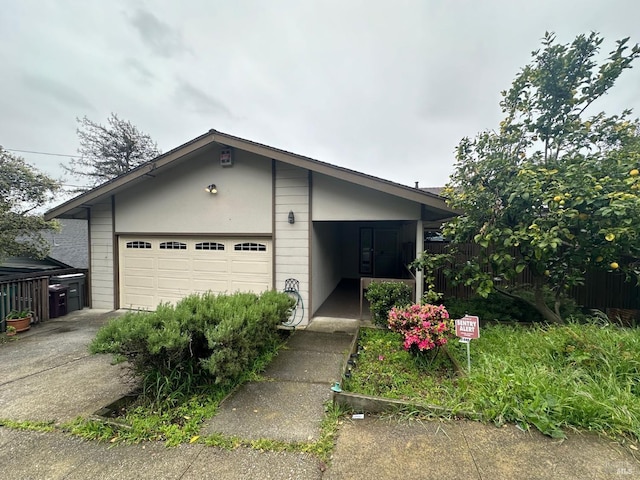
(468,327)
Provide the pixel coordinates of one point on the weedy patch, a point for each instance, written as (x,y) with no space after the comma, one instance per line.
(28,425)
(584,376)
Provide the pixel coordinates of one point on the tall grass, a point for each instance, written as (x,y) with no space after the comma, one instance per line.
(583,376)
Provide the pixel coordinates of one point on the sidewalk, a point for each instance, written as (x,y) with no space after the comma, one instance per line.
(400,449)
(48,375)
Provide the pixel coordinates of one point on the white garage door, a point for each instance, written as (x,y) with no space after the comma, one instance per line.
(166,269)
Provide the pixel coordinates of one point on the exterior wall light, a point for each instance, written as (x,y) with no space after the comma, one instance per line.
(212,188)
(291,218)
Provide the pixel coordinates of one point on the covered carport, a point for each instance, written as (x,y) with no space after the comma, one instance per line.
(344,252)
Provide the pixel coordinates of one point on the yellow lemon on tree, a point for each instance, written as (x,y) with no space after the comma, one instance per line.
(635,172)
(609,237)
(557,198)
(614,265)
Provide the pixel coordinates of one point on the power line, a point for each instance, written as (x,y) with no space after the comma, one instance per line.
(42,153)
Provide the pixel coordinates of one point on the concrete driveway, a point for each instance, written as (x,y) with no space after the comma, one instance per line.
(47,374)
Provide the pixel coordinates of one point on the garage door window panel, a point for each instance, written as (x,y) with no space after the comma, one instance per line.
(139,244)
(215,246)
(250,247)
(173,246)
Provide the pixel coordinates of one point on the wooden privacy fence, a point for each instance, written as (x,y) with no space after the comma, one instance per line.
(31,293)
(602,290)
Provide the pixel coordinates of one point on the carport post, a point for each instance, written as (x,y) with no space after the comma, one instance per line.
(419,250)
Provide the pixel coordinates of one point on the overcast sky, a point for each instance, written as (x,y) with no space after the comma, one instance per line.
(387,88)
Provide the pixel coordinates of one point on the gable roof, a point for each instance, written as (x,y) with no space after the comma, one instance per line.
(76,207)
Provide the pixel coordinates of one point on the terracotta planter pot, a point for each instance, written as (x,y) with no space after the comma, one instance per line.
(21,324)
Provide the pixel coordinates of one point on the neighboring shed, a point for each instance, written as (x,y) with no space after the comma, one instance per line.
(24,265)
(24,285)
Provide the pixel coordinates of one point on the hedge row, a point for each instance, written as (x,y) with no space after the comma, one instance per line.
(214,338)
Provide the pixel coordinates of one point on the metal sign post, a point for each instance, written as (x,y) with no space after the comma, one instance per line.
(468,342)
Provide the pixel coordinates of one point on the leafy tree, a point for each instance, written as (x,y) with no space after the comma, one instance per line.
(23,189)
(553,189)
(109,151)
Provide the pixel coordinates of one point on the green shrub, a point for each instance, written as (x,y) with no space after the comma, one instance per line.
(383,296)
(205,339)
(495,308)
(502,308)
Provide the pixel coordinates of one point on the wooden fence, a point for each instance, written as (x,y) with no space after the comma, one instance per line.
(25,294)
(602,290)
(29,292)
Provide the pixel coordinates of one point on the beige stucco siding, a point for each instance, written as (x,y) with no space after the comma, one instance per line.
(335,199)
(102,274)
(176,201)
(292,240)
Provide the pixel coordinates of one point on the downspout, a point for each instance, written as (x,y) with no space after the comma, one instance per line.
(419,250)
(89,282)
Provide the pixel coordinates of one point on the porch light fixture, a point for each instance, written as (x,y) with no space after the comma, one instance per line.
(212,188)
(292,218)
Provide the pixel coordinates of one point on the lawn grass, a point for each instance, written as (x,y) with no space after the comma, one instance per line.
(584,376)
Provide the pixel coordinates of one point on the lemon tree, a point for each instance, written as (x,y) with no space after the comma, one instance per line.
(555,189)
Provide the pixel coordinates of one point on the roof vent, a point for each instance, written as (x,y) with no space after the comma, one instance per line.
(226,157)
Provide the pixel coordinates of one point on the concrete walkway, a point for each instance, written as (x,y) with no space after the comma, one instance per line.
(289,404)
(47,375)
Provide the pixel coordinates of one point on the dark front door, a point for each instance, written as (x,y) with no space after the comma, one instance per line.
(386,254)
(379,252)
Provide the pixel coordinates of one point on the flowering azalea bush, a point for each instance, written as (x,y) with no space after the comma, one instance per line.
(424,327)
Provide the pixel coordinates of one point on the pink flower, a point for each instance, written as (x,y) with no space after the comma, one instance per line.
(381,357)
(422,326)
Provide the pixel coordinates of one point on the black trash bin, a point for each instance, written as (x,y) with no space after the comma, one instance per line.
(57,300)
(75,283)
